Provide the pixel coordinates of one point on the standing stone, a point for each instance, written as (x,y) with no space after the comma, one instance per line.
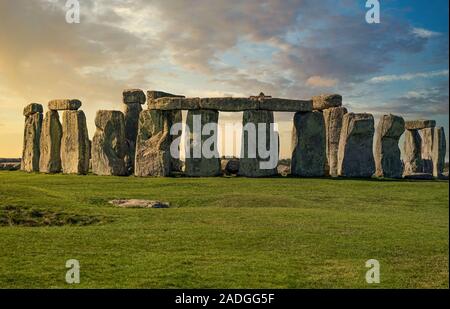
(309,146)
(197,165)
(51,134)
(31,138)
(439,151)
(355,156)
(333,125)
(74,143)
(176,117)
(153,142)
(427,136)
(412,153)
(133,100)
(109,145)
(176,163)
(387,152)
(251,167)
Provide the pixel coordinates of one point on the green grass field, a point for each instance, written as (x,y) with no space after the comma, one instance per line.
(223,232)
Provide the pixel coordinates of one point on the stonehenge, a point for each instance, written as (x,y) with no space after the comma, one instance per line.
(153,142)
(198,164)
(438,152)
(333,124)
(31,137)
(388,161)
(50,143)
(74,143)
(142,140)
(355,155)
(309,145)
(109,144)
(412,153)
(133,99)
(251,163)
(424,148)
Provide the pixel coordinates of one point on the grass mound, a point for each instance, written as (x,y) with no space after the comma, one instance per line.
(27,217)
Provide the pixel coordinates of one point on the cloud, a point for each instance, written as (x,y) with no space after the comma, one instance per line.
(317,81)
(424,33)
(408,76)
(418,103)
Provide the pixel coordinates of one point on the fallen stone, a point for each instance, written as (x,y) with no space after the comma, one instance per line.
(153,142)
(32,108)
(443,176)
(50,144)
(133,96)
(439,152)
(419,176)
(230,166)
(333,125)
(248,166)
(326,101)
(387,152)
(63,105)
(283,170)
(109,145)
(309,145)
(412,153)
(135,203)
(31,141)
(419,124)
(196,165)
(355,156)
(9,166)
(74,143)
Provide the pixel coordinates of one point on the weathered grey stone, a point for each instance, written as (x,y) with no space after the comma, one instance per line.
(177,118)
(230,166)
(50,144)
(9,166)
(32,108)
(412,161)
(439,152)
(333,125)
(31,142)
(248,166)
(65,104)
(74,143)
(135,203)
(153,95)
(285,105)
(325,101)
(109,144)
(133,96)
(154,101)
(131,116)
(308,144)
(355,156)
(387,152)
(419,124)
(427,136)
(228,104)
(153,142)
(419,176)
(196,165)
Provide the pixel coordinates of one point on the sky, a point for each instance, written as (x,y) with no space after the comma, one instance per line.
(208,48)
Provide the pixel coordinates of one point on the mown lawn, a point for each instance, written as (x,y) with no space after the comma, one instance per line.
(225,232)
